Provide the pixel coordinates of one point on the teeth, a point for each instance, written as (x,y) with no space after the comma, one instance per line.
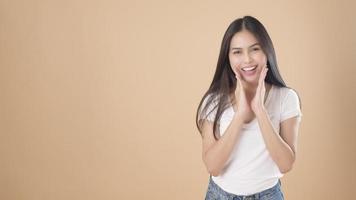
(248,68)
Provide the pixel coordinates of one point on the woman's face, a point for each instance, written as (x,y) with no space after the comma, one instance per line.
(246,56)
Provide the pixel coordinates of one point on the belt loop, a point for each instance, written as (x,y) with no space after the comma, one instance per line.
(257,196)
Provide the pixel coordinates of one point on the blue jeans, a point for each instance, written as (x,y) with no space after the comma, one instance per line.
(216,193)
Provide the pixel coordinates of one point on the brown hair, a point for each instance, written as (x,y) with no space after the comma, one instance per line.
(224,81)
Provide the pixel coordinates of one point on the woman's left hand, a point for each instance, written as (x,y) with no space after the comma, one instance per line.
(257,103)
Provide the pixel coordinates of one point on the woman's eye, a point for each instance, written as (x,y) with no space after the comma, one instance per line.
(237,52)
(256,49)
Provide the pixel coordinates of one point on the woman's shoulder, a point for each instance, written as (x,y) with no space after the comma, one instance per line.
(209,99)
(284,94)
(287,94)
(285,90)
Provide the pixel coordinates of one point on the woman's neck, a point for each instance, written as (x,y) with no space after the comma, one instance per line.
(250,90)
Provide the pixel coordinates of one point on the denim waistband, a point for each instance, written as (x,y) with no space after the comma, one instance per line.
(252,196)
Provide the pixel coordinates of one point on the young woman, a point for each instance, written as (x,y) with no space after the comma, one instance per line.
(248,118)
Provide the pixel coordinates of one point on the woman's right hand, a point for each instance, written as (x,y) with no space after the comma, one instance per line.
(244,110)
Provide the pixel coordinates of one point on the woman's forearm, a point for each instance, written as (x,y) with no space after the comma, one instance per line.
(279,150)
(216,157)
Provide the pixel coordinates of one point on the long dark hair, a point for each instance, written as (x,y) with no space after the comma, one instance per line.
(224,81)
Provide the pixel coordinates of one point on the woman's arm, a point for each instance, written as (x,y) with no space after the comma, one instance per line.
(216,153)
(282,147)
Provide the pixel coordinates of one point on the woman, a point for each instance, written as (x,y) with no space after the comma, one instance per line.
(248,118)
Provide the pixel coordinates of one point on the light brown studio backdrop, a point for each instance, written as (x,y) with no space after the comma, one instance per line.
(98,98)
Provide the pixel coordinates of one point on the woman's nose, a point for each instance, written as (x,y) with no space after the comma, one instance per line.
(247,58)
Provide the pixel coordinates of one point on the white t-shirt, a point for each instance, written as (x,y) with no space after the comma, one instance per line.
(250,169)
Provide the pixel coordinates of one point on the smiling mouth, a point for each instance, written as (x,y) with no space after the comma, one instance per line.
(246,69)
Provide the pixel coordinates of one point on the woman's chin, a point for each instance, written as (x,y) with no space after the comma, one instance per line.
(251,80)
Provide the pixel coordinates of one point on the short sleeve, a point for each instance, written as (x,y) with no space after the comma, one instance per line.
(290,106)
(210,112)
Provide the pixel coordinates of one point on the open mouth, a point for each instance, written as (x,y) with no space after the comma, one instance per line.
(247,69)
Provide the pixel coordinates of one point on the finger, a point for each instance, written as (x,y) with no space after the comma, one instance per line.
(265,72)
(234,70)
(239,83)
(261,82)
(238,76)
(262,76)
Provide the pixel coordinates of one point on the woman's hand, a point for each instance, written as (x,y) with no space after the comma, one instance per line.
(257,103)
(243,108)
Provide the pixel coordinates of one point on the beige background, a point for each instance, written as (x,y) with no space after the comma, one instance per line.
(98,98)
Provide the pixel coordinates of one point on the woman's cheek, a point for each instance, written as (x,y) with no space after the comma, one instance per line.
(236,67)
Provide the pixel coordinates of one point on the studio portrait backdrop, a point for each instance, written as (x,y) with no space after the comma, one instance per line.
(98,98)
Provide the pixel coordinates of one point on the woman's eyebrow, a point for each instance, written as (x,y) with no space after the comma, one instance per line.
(248,47)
